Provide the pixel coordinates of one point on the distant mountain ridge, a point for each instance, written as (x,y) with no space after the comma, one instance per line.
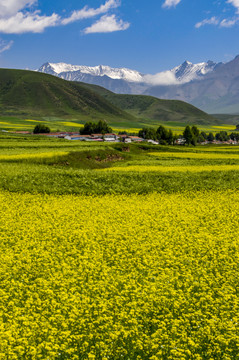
(123,80)
(216,93)
(212,87)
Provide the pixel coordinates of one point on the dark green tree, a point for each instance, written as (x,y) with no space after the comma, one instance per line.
(204,135)
(41,129)
(195,131)
(103,128)
(234,136)
(188,135)
(95,128)
(162,133)
(222,136)
(201,138)
(210,137)
(170,139)
(147,133)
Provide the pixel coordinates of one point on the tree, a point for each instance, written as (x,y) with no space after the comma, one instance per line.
(210,137)
(170,137)
(234,136)
(95,128)
(41,129)
(162,133)
(147,133)
(204,135)
(103,128)
(222,136)
(201,138)
(188,135)
(195,131)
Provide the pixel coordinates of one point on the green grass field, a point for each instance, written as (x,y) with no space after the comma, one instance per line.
(118,251)
(8,123)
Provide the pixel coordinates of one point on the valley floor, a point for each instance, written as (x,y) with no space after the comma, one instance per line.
(118,252)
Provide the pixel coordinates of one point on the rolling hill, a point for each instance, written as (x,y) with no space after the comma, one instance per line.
(153,110)
(27,93)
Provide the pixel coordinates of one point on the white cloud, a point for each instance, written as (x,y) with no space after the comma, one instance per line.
(228,22)
(87,12)
(223,23)
(27,22)
(234,3)
(171,3)
(162,78)
(17,17)
(212,21)
(11,7)
(107,24)
(4,45)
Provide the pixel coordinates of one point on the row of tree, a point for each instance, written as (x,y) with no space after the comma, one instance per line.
(193,136)
(162,135)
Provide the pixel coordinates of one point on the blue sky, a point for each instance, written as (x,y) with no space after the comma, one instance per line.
(149,36)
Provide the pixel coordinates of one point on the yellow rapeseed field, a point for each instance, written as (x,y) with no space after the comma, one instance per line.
(194,155)
(27,156)
(119,277)
(164,169)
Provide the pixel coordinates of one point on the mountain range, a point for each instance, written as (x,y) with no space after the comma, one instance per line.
(213,87)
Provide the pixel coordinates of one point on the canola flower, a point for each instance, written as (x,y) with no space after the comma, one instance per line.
(27,156)
(194,155)
(72,124)
(119,277)
(164,169)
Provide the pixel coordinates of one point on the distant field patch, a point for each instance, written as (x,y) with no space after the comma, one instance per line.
(72,124)
(194,155)
(165,169)
(37,121)
(28,156)
(224,127)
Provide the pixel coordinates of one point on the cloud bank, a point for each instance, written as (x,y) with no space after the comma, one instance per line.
(21,16)
(87,13)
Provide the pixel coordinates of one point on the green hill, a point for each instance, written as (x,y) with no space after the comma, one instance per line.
(154,110)
(29,93)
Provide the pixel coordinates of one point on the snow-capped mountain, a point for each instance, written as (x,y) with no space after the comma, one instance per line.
(63,70)
(211,87)
(188,72)
(181,74)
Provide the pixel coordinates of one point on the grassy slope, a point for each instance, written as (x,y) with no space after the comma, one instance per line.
(228,119)
(156,110)
(30,93)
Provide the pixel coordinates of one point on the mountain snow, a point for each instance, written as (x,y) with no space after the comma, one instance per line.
(188,71)
(181,74)
(100,70)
